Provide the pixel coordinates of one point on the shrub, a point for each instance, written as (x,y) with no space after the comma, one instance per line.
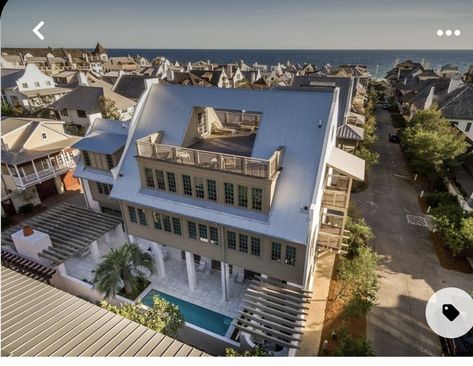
(255,352)
(349,346)
(440,198)
(6,221)
(25,209)
(360,234)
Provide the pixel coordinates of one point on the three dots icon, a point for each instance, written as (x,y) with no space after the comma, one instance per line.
(449,32)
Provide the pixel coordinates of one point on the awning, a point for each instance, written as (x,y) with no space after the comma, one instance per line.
(273,312)
(71,228)
(347,163)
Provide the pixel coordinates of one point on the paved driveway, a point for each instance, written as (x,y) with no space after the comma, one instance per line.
(409,269)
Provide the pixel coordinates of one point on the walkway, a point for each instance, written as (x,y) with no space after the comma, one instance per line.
(409,269)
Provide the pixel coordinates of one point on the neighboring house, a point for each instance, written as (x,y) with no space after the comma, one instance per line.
(457,107)
(468,76)
(449,71)
(37,161)
(82,105)
(11,62)
(120,64)
(101,150)
(29,88)
(259,193)
(131,86)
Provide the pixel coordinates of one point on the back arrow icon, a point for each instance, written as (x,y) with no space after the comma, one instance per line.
(36,30)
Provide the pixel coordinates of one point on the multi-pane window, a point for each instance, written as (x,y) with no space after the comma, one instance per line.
(24,85)
(109,161)
(255,246)
(81,113)
(103,188)
(64,112)
(290,255)
(171,182)
(231,240)
(192,228)
(186,183)
(132,214)
(86,158)
(257,199)
(229,196)
(213,235)
(167,223)
(199,187)
(149,177)
(160,179)
(176,226)
(211,190)
(203,232)
(242,196)
(243,241)
(157,221)
(142,217)
(276,252)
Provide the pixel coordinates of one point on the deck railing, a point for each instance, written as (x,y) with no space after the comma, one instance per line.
(254,167)
(335,198)
(44,174)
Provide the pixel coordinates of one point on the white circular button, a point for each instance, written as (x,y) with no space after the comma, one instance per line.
(457,32)
(440,33)
(448,32)
(449,312)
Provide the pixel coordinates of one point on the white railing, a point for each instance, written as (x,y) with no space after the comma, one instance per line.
(260,168)
(44,174)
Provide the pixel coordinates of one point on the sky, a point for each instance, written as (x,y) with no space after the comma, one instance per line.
(239,24)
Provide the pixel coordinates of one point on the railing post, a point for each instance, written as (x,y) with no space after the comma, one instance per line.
(196,157)
(220,162)
(174,154)
(34,168)
(245,166)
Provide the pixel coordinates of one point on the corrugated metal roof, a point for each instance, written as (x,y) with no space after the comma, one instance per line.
(40,320)
(103,143)
(350,132)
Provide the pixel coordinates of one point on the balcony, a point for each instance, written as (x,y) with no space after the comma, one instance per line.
(229,163)
(28,180)
(336,199)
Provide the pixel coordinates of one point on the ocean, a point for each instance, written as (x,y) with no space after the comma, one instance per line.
(377,61)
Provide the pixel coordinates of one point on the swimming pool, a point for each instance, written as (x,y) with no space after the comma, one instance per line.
(194,314)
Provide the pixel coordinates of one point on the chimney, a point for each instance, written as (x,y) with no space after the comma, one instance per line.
(82,79)
(29,243)
(170,75)
(253,77)
(455,83)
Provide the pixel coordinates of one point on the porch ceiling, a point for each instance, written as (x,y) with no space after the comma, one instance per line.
(273,312)
(71,229)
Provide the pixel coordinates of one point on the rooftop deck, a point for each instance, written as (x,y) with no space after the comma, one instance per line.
(239,144)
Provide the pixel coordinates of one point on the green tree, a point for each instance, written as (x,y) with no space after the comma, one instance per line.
(360,234)
(358,280)
(162,317)
(108,108)
(255,352)
(122,268)
(466,230)
(6,109)
(371,158)
(349,346)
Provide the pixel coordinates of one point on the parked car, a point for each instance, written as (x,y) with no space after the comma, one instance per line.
(394,137)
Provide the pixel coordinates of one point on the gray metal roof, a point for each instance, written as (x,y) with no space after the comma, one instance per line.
(71,229)
(350,132)
(289,118)
(101,142)
(10,76)
(40,320)
(131,86)
(458,104)
(83,98)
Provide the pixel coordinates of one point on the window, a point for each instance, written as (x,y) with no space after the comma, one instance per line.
(86,158)
(229,194)
(60,159)
(24,85)
(199,187)
(171,182)
(109,161)
(44,136)
(44,164)
(290,256)
(48,83)
(468,127)
(211,190)
(99,188)
(167,223)
(132,214)
(64,112)
(257,198)
(81,113)
(149,178)
(142,217)
(186,180)
(255,246)
(242,196)
(176,226)
(243,241)
(231,240)
(103,188)
(276,252)
(36,84)
(157,221)
(213,235)
(192,228)
(203,232)
(160,179)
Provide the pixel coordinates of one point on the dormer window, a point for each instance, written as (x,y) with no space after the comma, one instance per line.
(24,85)
(36,84)
(44,136)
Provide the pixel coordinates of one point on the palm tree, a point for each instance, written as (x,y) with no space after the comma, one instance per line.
(122,268)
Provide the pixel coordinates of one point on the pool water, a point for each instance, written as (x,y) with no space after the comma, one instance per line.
(194,314)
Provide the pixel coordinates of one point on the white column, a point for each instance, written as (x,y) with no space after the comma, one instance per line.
(94,251)
(158,259)
(190,270)
(62,269)
(34,168)
(225,277)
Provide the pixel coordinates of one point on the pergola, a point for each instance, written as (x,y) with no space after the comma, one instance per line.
(27,267)
(72,230)
(273,312)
